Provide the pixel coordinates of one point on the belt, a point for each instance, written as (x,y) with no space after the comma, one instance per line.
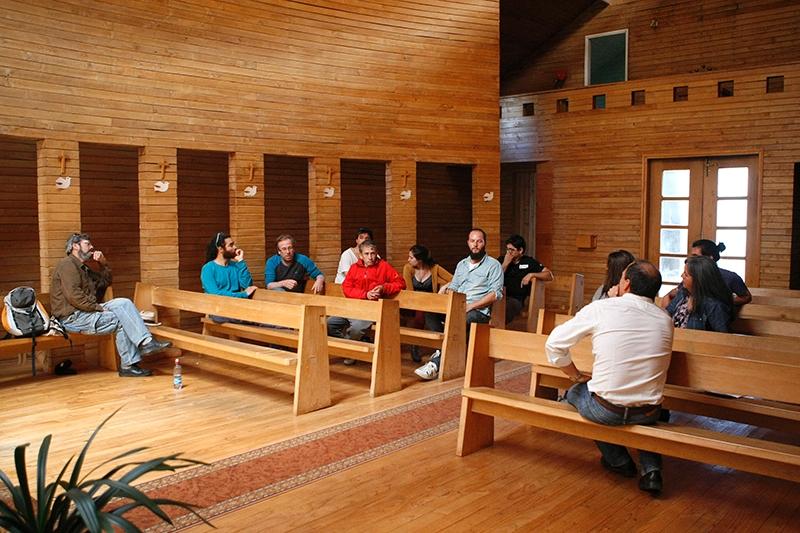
(625,411)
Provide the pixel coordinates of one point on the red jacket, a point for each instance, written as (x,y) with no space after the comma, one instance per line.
(361,279)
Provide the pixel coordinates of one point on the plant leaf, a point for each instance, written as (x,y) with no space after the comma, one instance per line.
(118,457)
(121,510)
(24,505)
(121,523)
(86,509)
(49,500)
(124,490)
(41,480)
(76,471)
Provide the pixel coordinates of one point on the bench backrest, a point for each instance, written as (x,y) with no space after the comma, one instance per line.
(573,284)
(767,296)
(149,297)
(783,313)
(334,305)
(710,361)
(766,328)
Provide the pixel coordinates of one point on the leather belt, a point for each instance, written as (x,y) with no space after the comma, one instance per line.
(625,411)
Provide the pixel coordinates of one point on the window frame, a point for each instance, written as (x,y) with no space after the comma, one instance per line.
(587,63)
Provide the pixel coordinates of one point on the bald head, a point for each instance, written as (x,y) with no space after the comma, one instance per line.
(643,279)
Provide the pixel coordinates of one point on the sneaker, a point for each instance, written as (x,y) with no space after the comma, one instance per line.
(154,346)
(134,371)
(428,371)
(349,362)
(436,355)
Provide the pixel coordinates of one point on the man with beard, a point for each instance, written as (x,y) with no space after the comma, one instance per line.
(480,278)
(288,271)
(73,300)
(225,272)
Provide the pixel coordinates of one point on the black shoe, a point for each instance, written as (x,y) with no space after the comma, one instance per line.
(64,368)
(415,355)
(134,371)
(663,416)
(349,362)
(651,482)
(626,470)
(154,346)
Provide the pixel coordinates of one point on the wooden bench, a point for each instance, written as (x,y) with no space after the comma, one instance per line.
(773,377)
(308,365)
(774,296)
(452,341)
(383,352)
(107,350)
(539,316)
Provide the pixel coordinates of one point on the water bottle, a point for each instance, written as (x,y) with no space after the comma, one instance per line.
(177,377)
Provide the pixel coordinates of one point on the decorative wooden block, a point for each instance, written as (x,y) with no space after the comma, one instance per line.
(587,242)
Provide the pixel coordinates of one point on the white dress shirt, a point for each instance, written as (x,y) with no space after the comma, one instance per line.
(632,345)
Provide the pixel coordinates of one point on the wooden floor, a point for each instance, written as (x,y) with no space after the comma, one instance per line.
(531,480)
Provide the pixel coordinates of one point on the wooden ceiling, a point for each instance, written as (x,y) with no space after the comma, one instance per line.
(529,26)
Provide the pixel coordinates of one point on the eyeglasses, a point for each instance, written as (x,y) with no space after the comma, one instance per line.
(511,249)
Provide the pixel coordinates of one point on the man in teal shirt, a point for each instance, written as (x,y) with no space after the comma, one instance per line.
(225,272)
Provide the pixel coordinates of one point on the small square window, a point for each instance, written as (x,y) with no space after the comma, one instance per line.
(774,84)
(725,88)
(599,101)
(638,97)
(680,94)
(527,109)
(562,105)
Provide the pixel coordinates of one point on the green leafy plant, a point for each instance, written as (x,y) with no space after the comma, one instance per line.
(78,503)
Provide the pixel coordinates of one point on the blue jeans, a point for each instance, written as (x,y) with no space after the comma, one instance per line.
(472,316)
(614,454)
(119,317)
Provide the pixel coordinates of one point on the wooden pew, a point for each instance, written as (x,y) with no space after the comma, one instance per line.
(540,318)
(452,341)
(773,296)
(308,365)
(769,319)
(107,350)
(383,353)
(764,375)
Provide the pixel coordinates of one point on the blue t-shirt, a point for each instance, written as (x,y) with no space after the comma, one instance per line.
(299,270)
(229,280)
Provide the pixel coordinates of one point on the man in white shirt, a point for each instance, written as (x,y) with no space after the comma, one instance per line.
(351,255)
(632,345)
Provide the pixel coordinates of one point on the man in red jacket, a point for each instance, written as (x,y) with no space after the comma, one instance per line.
(371,278)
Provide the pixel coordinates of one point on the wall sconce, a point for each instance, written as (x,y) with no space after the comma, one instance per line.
(250,191)
(488,197)
(63,182)
(405,195)
(328,192)
(161,186)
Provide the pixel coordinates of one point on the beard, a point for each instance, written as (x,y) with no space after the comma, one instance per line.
(477,256)
(84,256)
(227,254)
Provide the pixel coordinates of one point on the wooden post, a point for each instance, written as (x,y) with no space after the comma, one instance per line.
(401,215)
(59,209)
(325,213)
(246,170)
(486,214)
(158,220)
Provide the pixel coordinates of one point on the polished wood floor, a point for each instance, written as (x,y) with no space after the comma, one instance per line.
(531,480)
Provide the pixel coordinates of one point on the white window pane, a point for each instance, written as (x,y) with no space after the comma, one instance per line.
(732,182)
(675,183)
(671,269)
(675,213)
(732,213)
(735,242)
(665,288)
(674,241)
(734,265)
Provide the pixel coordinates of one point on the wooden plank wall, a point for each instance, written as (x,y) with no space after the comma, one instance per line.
(592,182)
(202,212)
(285,201)
(110,209)
(19,223)
(674,38)
(364,201)
(444,216)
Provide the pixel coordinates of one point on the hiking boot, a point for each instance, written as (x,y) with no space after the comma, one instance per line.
(428,371)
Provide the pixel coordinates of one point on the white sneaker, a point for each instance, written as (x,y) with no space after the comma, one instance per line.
(428,371)
(436,354)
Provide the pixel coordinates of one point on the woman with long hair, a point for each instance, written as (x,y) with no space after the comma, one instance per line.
(422,273)
(616,264)
(704,302)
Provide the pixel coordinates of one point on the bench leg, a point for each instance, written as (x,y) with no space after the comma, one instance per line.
(475,430)
(312,380)
(107,353)
(386,364)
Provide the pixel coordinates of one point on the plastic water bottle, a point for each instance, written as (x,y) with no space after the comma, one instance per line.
(177,376)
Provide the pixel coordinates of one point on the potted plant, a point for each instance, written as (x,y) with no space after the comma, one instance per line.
(80,502)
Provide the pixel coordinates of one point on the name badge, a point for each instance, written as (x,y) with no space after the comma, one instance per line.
(523,266)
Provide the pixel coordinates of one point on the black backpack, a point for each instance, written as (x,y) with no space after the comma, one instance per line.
(25,316)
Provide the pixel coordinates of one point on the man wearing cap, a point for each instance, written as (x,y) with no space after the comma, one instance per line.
(74,301)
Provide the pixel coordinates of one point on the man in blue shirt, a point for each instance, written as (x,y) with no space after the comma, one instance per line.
(480,278)
(225,272)
(288,270)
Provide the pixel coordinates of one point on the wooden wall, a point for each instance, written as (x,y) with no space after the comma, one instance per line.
(327,80)
(591,181)
(673,39)
(444,214)
(19,223)
(364,201)
(285,201)
(110,209)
